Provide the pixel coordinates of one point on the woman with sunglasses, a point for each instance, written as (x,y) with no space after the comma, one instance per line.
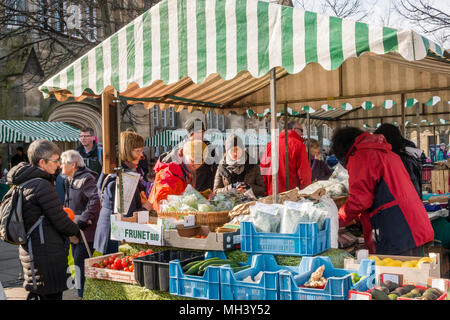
(49,241)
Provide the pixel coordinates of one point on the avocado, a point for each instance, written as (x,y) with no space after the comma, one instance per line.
(417,292)
(384,289)
(408,287)
(429,296)
(390,285)
(379,295)
(436,291)
(399,291)
(393,296)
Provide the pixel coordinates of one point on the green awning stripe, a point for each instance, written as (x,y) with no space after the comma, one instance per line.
(310,37)
(164,41)
(336,51)
(131,53)
(182,40)
(263,38)
(147,38)
(99,68)
(84,73)
(390,40)
(241,35)
(70,78)
(201,40)
(287,39)
(362,38)
(115,60)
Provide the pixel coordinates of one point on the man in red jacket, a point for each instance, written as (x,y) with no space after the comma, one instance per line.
(299,168)
(381,195)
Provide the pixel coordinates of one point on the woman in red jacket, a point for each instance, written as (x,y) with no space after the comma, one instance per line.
(381,195)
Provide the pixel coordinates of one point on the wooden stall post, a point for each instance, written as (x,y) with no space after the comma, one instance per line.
(110,133)
(274,130)
(286,147)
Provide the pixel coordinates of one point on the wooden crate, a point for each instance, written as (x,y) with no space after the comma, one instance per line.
(107,274)
(439,180)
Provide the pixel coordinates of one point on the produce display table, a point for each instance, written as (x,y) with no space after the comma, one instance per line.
(95,289)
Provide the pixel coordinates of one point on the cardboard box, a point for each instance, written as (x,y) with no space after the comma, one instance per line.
(415,276)
(444,255)
(107,274)
(145,233)
(214,241)
(441,284)
(440,180)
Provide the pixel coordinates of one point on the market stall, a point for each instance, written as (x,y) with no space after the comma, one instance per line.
(234,56)
(13,131)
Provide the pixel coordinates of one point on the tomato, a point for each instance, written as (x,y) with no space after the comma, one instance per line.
(198,236)
(117,262)
(126,269)
(124,263)
(111,260)
(131,268)
(149,251)
(114,256)
(96,265)
(105,262)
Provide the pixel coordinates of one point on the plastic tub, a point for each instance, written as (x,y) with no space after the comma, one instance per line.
(307,240)
(339,281)
(152,271)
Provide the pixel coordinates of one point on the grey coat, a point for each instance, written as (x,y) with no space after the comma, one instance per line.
(82,198)
(252,177)
(50,258)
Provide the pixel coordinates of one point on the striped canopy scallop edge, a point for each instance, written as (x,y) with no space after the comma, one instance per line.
(197,38)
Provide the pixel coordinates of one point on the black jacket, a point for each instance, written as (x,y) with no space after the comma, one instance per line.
(92,159)
(50,258)
(413,165)
(82,198)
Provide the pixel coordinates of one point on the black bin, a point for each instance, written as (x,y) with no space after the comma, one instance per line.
(152,271)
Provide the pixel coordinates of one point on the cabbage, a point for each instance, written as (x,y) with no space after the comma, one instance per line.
(206,207)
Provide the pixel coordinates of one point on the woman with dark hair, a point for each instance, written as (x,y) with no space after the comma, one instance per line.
(381,195)
(238,170)
(411,160)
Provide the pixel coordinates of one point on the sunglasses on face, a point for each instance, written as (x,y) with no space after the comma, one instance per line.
(55,161)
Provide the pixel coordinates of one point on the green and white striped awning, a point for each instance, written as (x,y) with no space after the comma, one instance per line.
(195,46)
(171,138)
(167,138)
(12,131)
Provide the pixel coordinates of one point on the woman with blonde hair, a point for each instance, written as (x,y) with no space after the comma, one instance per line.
(130,152)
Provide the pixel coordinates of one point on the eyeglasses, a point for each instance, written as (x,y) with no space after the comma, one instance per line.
(138,150)
(55,161)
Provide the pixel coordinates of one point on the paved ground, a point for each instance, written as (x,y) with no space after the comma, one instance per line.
(10,269)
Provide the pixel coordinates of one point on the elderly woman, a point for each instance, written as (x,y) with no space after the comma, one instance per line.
(82,198)
(50,247)
(319,169)
(237,170)
(130,152)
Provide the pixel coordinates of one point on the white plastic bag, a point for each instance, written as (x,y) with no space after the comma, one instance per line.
(2,293)
(293,214)
(327,205)
(266,217)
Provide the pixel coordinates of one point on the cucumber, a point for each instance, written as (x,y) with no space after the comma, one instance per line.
(195,267)
(237,269)
(190,264)
(230,262)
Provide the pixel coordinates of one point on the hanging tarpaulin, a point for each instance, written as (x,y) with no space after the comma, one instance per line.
(442,121)
(12,131)
(327,107)
(367,105)
(347,106)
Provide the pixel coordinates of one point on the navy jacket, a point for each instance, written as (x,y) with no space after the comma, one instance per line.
(103,231)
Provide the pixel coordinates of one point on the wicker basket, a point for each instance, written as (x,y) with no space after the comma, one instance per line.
(339,201)
(212,219)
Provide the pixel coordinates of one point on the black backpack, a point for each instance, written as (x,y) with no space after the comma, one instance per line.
(12,228)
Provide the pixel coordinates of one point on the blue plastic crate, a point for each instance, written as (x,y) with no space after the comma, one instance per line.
(199,287)
(232,286)
(339,281)
(307,240)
